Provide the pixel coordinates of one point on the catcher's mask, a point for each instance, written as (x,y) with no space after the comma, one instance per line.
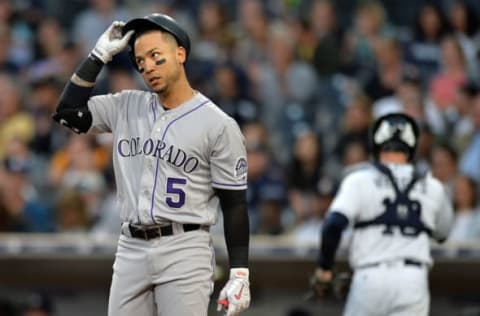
(156,21)
(394,132)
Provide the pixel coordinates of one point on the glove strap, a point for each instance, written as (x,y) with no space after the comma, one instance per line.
(89,70)
(101,54)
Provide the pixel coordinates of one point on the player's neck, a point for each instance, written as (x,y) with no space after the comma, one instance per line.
(179,94)
(392,157)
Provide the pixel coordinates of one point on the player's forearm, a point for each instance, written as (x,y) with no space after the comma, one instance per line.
(236,226)
(79,89)
(72,110)
(332,230)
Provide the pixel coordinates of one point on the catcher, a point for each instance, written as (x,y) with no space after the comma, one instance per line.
(394,210)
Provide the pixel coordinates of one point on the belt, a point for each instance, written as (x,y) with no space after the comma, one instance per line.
(407,262)
(147,233)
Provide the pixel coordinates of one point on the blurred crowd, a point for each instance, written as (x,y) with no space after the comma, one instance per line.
(303,79)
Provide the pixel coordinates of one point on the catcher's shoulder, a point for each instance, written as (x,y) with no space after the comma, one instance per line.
(434,183)
(359,170)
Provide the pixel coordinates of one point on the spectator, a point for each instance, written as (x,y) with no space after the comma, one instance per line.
(266,183)
(80,167)
(353,136)
(304,172)
(231,93)
(369,26)
(466,224)
(444,162)
(286,105)
(309,223)
(48,137)
(328,55)
(69,58)
(14,122)
(390,69)
(355,154)
(17,31)
(305,39)
(7,64)
(119,77)
(215,39)
(122,78)
(466,29)
(21,201)
(49,53)
(49,40)
(89,24)
(423,49)
(451,77)
(411,99)
(182,13)
(470,158)
(462,123)
(252,35)
(407,97)
(81,154)
(71,212)
(426,141)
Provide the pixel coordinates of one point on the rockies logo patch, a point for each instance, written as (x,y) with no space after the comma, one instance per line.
(240,167)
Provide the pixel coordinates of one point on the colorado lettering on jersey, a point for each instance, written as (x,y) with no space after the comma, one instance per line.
(131,147)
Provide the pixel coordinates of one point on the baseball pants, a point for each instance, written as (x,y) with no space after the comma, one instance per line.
(166,276)
(393,289)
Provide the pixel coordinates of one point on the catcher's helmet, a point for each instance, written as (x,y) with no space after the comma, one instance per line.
(394,132)
(156,21)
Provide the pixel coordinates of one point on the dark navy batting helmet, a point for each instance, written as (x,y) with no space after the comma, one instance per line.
(156,21)
(394,132)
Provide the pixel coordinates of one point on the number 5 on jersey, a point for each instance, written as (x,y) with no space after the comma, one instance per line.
(175,190)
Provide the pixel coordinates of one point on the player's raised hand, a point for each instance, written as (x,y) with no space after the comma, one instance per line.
(111,42)
(235,295)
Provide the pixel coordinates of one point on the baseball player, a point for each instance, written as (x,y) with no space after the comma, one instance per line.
(177,159)
(393,211)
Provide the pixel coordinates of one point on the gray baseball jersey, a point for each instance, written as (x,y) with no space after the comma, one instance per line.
(365,194)
(168,162)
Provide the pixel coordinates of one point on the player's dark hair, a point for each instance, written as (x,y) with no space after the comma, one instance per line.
(165,34)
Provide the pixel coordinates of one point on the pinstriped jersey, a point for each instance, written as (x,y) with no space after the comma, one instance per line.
(367,193)
(168,162)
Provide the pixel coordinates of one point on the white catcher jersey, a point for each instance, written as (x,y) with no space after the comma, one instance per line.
(168,162)
(364,195)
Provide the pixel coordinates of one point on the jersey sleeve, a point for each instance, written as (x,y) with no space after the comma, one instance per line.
(347,201)
(444,217)
(228,160)
(104,109)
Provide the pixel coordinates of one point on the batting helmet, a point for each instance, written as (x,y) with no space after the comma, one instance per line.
(156,21)
(394,132)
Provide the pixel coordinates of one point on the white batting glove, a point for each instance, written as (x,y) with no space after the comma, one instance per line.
(111,42)
(235,295)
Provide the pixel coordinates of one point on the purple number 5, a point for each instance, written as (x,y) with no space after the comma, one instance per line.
(171,189)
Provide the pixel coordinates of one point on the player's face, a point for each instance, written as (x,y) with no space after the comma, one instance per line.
(159,60)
